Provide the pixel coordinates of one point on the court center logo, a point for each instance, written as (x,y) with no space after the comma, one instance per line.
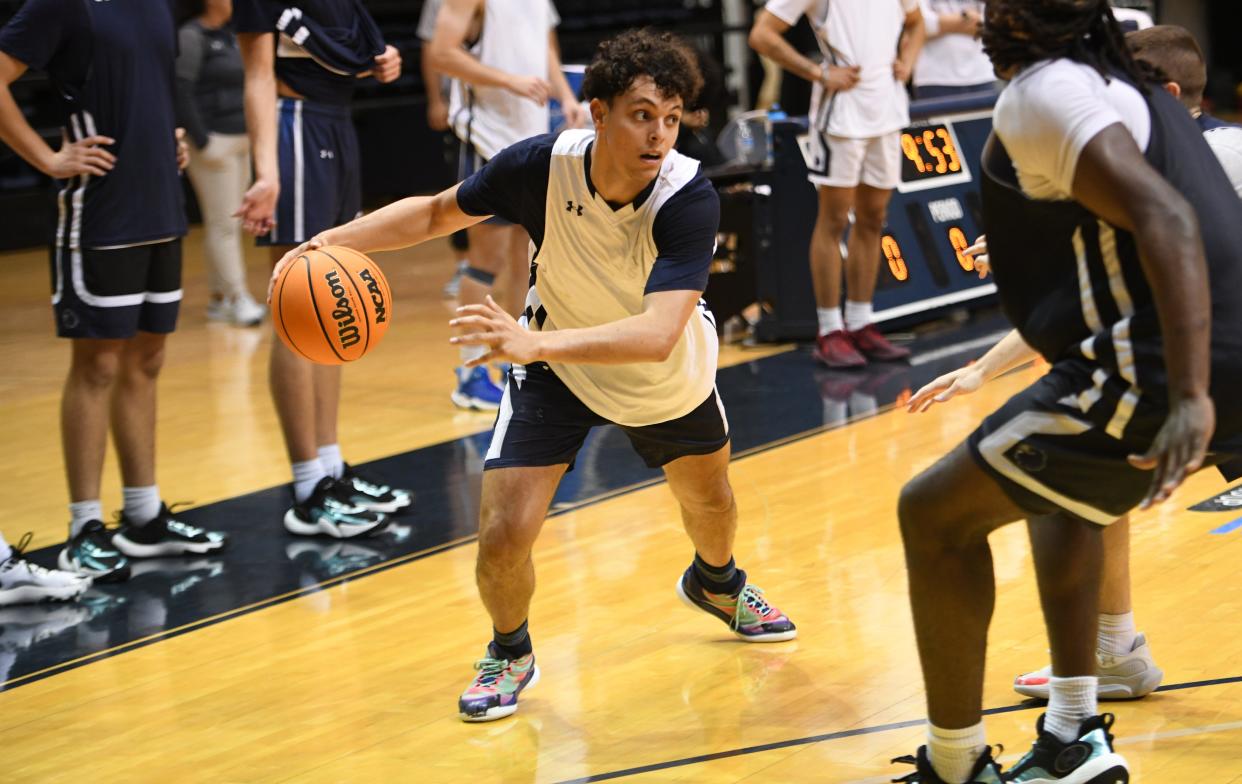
(1228,501)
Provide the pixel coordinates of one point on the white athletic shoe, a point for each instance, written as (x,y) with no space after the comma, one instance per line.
(1125,677)
(23,582)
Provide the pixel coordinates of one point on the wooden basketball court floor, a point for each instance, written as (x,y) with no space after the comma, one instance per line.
(350,670)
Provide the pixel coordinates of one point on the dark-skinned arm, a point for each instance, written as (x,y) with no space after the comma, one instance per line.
(1114,181)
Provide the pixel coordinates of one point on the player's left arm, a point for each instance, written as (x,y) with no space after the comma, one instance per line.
(913,35)
(649,336)
(1114,181)
(575,113)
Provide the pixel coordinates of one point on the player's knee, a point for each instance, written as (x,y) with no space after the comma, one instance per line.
(97,370)
(503,543)
(715,499)
(146,361)
(869,218)
(922,516)
(832,224)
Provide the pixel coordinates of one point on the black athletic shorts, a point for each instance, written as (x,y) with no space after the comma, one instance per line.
(542,423)
(1061,444)
(114,293)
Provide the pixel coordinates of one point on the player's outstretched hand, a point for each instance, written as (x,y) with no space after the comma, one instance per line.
(841,77)
(387,65)
(314,243)
(979,254)
(531,87)
(489,325)
(962,381)
(85,156)
(258,207)
(1179,448)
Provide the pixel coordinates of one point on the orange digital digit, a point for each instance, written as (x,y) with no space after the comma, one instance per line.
(950,150)
(892,253)
(958,239)
(912,152)
(929,142)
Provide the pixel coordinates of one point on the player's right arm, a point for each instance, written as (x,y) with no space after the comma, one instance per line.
(767,37)
(449,56)
(73,158)
(1009,353)
(258,207)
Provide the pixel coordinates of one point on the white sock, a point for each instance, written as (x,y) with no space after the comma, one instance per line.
(333,463)
(1070,702)
(953,753)
(306,475)
(857,315)
(81,513)
(5,550)
(1116,634)
(468,353)
(141,504)
(829,320)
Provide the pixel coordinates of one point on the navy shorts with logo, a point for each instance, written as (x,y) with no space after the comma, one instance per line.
(115,293)
(1061,444)
(542,423)
(320,186)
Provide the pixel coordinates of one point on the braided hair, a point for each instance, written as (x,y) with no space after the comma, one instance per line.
(1017,33)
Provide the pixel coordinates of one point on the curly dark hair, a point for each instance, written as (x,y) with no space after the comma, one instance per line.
(1017,33)
(665,57)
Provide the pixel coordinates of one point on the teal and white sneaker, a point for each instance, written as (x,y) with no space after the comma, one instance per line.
(1088,760)
(92,553)
(493,694)
(330,510)
(986,771)
(372,494)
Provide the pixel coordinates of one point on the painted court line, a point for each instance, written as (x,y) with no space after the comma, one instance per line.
(1229,527)
(793,742)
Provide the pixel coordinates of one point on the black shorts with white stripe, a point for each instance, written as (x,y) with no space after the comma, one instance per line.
(542,423)
(114,293)
(1061,444)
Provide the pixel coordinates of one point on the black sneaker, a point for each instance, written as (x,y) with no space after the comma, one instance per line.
(1088,760)
(986,771)
(373,495)
(92,553)
(331,510)
(165,535)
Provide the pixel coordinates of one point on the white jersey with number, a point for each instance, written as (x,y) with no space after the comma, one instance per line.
(592,268)
(514,39)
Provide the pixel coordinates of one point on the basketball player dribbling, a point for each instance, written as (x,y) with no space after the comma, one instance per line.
(1116,242)
(614,332)
(302,67)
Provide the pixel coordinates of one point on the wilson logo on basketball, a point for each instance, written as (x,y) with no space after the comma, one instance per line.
(331,305)
(377,296)
(346,330)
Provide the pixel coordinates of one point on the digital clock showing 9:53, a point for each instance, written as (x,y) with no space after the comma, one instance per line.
(931,158)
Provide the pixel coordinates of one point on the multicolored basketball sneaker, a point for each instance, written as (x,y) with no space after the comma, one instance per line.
(747,613)
(986,771)
(493,694)
(1088,760)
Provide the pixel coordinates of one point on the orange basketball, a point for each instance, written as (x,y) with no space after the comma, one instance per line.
(331,305)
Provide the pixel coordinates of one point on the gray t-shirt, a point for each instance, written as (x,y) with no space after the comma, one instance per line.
(209,82)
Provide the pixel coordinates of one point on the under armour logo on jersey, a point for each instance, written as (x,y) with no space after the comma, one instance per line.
(570,207)
(327,154)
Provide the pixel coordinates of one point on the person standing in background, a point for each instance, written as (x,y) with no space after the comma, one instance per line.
(209,107)
(858,107)
(438,87)
(952,60)
(302,66)
(506,65)
(116,255)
